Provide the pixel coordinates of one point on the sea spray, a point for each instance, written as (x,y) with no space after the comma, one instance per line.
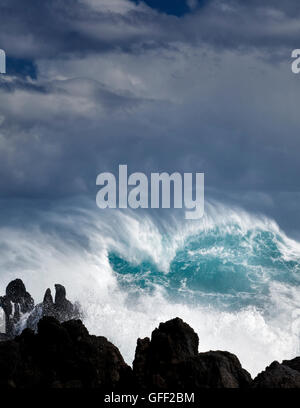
(232,276)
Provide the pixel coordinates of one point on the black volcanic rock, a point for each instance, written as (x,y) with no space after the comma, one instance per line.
(279,376)
(174,341)
(4,337)
(294,363)
(171,361)
(61,356)
(16,302)
(221,369)
(20,311)
(62,309)
(48,303)
(56,352)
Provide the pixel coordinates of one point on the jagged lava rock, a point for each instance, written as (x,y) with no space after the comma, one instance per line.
(16,302)
(61,356)
(20,312)
(171,361)
(294,363)
(279,375)
(62,309)
(221,369)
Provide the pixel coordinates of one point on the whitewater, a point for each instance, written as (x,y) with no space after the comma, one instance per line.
(233,276)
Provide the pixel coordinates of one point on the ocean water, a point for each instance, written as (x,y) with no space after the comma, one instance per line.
(233,276)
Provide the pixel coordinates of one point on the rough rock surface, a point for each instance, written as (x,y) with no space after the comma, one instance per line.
(279,376)
(20,312)
(171,361)
(61,308)
(57,352)
(15,303)
(294,363)
(61,355)
(4,337)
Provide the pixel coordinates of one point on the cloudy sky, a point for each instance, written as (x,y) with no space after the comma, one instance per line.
(172,85)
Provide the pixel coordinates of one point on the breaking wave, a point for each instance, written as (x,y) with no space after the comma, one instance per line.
(233,276)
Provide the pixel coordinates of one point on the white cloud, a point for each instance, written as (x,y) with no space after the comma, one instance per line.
(113,6)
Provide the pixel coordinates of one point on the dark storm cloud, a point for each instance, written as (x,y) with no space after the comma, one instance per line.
(103,83)
(248,25)
(48,29)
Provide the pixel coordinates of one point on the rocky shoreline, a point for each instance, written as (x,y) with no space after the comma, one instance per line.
(55,350)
